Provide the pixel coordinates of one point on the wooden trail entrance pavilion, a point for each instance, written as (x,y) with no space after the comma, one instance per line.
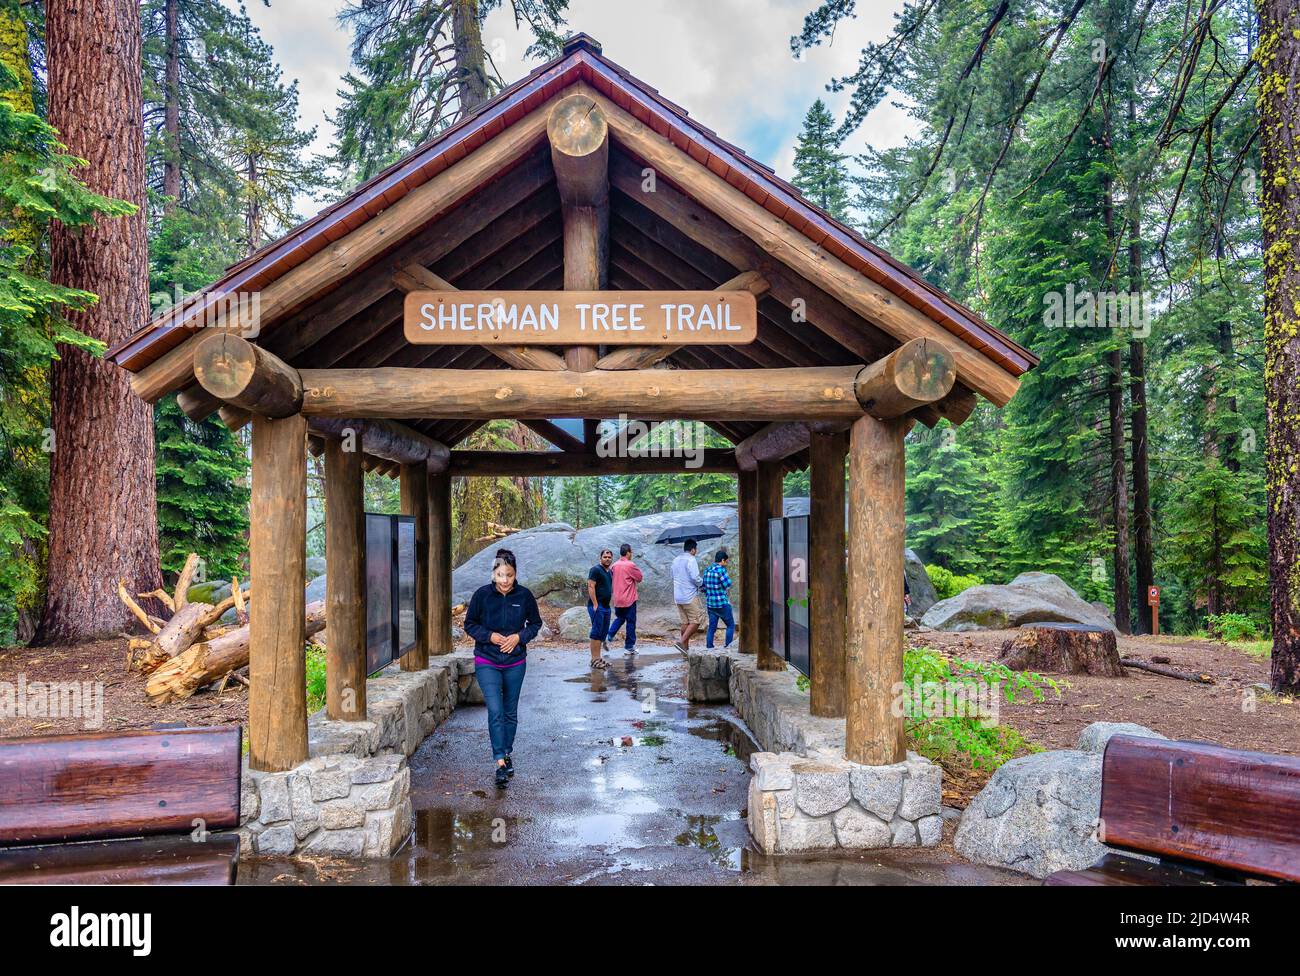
(579,178)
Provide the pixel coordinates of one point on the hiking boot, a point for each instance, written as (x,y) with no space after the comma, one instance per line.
(503,777)
(510,767)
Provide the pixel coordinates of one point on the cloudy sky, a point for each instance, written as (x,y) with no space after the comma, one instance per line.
(727,61)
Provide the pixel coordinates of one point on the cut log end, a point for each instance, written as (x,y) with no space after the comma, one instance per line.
(577,127)
(246,376)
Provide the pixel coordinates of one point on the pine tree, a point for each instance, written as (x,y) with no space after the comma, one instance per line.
(1279,105)
(819,170)
(1219,550)
(644,494)
(420,64)
(1102,146)
(202,493)
(225,160)
(950,500)
(263,145)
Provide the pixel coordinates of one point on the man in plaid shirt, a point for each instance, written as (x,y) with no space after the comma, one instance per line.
(716,585)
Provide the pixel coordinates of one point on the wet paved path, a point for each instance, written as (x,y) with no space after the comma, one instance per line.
(619,781)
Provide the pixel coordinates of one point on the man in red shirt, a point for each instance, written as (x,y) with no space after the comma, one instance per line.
(626,575)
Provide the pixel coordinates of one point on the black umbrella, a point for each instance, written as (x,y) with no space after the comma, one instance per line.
(683,532)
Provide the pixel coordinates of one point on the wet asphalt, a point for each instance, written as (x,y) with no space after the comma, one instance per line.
(619,781)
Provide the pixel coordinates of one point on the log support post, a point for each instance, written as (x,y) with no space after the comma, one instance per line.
(769,503)
(874,657)
(440,562)
(750,564)
(827,581)
(579,138)
(277,697)
(345,582)
(414,488)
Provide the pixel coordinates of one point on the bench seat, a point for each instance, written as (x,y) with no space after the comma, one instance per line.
(146,860)
(1211,815)
(121,807)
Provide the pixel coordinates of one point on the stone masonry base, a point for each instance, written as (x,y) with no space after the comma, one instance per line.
(352,796)
(804,795)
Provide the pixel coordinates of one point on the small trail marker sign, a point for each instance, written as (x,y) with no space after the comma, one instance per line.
(1153,600)
(576,318)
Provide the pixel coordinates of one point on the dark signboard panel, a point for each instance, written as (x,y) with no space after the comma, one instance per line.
(379,591)
(391,623)
(796,601)
(406,622)
(776,572)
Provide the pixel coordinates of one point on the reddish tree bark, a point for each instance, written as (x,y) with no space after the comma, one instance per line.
(1279,142)
(103,521)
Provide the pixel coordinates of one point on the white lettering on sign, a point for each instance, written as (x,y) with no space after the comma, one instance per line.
(489,317)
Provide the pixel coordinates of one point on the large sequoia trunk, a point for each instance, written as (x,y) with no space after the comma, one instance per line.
(1279,136)
(103,523)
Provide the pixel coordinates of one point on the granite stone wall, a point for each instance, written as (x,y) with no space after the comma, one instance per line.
(804,795)
(352,796)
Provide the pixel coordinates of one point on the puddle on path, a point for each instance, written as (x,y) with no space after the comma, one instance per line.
(666,808)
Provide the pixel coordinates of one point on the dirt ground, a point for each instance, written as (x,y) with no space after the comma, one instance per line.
(1229,712)
(124,705)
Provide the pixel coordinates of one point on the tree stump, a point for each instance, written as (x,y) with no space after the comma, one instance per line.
(1059,648)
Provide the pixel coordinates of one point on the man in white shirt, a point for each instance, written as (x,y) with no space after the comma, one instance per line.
(687,584)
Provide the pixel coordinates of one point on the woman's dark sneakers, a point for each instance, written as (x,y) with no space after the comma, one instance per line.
(510,767)
(503,777)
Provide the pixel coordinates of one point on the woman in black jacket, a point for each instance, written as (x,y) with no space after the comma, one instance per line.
(502,618)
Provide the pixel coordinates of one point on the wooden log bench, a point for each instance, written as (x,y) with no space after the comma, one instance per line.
(138,807)
(1211,815)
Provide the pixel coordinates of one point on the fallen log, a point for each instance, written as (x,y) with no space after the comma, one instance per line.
(189,623)
(212,660)
(1200,679)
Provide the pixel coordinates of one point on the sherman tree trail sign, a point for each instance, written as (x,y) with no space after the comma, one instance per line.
(578,247)
(572,318)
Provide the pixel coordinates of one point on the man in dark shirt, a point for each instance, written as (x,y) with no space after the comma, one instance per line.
(600,587)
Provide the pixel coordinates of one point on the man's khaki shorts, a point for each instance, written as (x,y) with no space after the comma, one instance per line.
(691,613)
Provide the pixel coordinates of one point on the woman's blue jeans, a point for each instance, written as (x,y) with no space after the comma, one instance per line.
(501,687)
